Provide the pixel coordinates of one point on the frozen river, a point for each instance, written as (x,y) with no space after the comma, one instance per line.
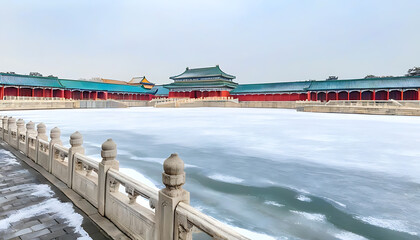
(271,173)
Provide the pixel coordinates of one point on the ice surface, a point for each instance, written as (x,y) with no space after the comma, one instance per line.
(242,156)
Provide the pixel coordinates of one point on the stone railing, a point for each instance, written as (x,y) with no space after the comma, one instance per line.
(140,211)
(178,101)
(33,98)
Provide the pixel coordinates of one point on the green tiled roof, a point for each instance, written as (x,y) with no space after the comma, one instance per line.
(271,87)
(330,85)
(203,73)
(99,86)
(191,84)
(160,91)
(33,81)
(369,83)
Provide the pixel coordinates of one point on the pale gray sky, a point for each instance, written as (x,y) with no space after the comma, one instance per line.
(257,41)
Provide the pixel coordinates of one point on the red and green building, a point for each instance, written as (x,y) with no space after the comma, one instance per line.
(207,82)
(201,82)
(212,82)
(13,86)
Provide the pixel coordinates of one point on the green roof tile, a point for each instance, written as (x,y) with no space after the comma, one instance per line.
(202,73)
(271,87)
(369,83)
(99,86)
(33,81)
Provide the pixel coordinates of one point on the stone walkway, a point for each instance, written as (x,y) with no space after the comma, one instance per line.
(31,208)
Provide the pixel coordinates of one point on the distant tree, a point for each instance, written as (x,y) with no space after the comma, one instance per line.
(52,76)
(36,74)
(371,76)
(332,78)
(415,71)
(95,79)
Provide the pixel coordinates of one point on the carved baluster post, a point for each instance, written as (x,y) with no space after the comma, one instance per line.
(4,126)
(42,134)
(20,129)
(173,177)
(76,141)
(108,153)
(11,124)
(55,134)
(30,131)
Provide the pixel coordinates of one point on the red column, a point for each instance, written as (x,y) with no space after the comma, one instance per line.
(2,93)
(309,96)
(373,97)
(43,92)
(105,95)
(402,94)
(326,96)
(348,95)
(316,96)
(81,95)
(387,95)
(418,94)
(360,95)
(33,92)
(336,96)
(17,91)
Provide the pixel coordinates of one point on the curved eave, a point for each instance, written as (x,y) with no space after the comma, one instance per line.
(219,74)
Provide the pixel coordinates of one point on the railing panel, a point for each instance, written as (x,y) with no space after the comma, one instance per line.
(135,219)
(60,162)
(43,154)
(13,141)
(32,148)
(6,135)
(85,178)
(188,217)
(22,142)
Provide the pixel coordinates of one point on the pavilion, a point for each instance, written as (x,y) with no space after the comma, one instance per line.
(201,82)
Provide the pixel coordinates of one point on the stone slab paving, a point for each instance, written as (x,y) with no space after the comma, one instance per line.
(31,208)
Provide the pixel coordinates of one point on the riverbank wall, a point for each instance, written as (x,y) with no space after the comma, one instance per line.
(69,104)
(390,107)
(108,196)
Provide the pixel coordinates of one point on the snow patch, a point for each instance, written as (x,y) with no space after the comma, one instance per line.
(3,151)
(226,178)
(303,198)
(395,225)
(253,235)
(311,216)
(336,202)
(42,190)
(139,177)
(10,161)
(349,236)
(273,203)
(61,210)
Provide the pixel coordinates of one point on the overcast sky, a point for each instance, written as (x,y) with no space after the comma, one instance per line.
(257,41)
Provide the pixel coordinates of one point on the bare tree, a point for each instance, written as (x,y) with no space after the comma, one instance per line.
(371,76)
(36,74)
(332,78)
(415,71)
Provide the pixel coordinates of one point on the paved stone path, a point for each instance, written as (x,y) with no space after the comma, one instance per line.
(31,208)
